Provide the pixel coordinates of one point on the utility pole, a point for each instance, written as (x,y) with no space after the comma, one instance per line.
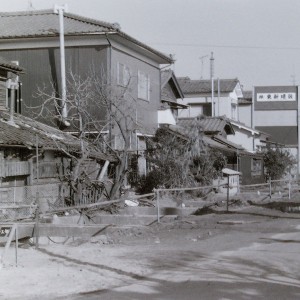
(59,9)
(212,83)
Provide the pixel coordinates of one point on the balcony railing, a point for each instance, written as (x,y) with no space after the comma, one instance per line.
(16,168)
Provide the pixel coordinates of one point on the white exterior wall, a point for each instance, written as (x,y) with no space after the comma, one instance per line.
(166,117)
(242,139)
(275,118)
(222,105)
(244,114)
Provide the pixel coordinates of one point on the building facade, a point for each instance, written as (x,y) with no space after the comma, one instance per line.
(276,112)
(130,68)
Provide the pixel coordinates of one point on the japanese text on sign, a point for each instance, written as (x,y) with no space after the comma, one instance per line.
(276,96)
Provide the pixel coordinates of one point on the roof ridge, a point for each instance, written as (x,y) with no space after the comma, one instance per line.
(66,14)
(92,21)
(26,12)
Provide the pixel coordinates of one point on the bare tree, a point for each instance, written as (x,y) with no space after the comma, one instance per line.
(98,113)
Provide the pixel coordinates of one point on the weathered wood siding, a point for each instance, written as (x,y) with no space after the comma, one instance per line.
(42,70)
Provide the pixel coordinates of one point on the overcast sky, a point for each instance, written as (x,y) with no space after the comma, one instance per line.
(256,41)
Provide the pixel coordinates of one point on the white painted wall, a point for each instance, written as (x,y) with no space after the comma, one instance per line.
(275,118)
(245,114)
(166,117)
(242,138)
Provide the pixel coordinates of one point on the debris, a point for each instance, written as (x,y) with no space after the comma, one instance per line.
(131,203)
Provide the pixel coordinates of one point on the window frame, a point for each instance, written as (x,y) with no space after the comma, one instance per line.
(123,74)
(143,85)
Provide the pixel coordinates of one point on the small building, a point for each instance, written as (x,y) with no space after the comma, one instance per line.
(218,134)
(229,182)
(198,96)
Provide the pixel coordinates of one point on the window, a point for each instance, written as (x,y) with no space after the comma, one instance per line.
(123,75)
(256,167)
(143,86)
(233,111)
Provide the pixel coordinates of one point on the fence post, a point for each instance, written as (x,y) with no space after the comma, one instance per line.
(12,233)
(270,187)
(227,192)
(16,244)
(157,205)
(37,220)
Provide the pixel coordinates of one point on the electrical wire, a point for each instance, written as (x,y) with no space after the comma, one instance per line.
(225,46)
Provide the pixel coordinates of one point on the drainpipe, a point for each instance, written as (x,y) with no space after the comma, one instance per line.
(60,11)
(12,85)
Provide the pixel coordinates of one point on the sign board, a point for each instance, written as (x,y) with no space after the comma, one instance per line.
(5,230)
(264,97)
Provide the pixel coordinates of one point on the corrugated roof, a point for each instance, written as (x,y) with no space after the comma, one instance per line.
(190,86)
(24,131)
(209,125)
(41,23)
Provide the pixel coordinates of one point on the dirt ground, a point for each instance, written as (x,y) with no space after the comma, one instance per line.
(250,252)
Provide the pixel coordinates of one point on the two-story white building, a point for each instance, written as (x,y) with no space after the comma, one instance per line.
(201,100)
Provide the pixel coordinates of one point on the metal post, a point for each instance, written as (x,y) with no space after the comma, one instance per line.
(212,84)
(37,195)
(60,10)
(17,244)
(289,184)
(212,98)
(227,193)
(157,204)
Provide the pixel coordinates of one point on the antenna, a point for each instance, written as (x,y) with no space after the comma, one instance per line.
(293,76)
(212,65)
(202,61)
(30,5)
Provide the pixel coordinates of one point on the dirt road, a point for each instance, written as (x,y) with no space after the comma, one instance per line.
(248,254)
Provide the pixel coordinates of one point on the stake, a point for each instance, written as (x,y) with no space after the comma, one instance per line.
(157,204)
(227,193)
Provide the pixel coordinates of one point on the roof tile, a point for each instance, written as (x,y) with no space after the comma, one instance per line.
(190,86)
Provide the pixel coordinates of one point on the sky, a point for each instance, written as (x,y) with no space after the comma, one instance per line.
(256,41)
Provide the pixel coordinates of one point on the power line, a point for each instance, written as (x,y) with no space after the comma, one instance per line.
(225,46)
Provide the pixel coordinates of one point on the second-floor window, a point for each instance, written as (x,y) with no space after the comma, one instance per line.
(123,75)
(143,86)
(233,111)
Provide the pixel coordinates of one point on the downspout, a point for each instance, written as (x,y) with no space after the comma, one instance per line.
(64,113)
(12,84)
(109,79)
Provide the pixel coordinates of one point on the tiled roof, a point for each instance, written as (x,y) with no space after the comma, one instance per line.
(41,23)
(27,132)
(209,125)
(10,66)
(230,144)
(190,86)
(45,23)
(165,76)
(168,76)
(247,98)
(215,143)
